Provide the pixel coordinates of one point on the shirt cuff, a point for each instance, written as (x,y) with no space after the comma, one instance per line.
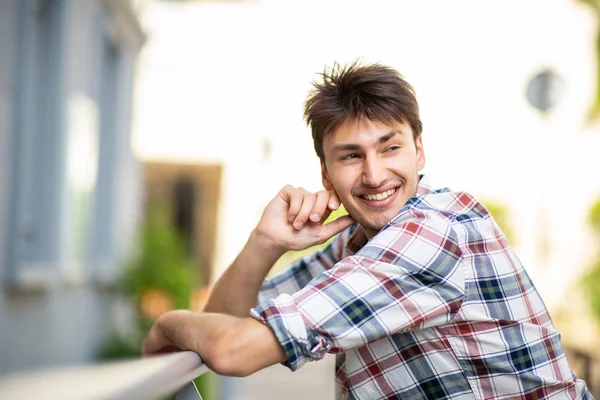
(300,342)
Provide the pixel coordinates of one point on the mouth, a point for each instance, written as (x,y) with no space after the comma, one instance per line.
(379,196)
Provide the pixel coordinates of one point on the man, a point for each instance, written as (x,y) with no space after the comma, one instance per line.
(419,294)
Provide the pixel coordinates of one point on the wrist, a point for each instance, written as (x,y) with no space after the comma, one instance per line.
(266,247)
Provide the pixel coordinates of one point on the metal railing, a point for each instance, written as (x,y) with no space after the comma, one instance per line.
(144,378)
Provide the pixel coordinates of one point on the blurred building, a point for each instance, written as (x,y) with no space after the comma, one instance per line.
(70,186)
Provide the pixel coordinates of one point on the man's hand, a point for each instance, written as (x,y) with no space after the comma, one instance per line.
(293,220)
(157,342)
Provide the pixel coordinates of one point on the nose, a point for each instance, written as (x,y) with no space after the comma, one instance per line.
(374,172)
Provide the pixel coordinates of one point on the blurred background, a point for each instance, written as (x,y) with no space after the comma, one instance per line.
(140,141)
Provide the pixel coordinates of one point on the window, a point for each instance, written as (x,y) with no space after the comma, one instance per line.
(32,227)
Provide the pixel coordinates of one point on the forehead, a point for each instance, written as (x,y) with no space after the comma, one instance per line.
(364,132)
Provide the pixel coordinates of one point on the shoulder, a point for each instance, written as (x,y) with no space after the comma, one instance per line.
(443,204)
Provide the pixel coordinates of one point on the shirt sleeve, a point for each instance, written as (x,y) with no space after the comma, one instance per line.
(407,277)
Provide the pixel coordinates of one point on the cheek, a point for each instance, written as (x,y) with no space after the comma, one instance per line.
(405,166)
(343,181)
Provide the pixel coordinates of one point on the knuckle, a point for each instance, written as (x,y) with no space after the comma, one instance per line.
(323,197)
(303,213)
(320,238)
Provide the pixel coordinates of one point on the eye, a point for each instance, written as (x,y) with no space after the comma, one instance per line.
(392,148)
(348,157)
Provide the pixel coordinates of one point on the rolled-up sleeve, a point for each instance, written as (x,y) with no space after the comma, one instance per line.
(408,277)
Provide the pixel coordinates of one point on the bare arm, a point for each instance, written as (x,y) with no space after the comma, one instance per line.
(237,344)
(293,220)
(236,291)
(227,345)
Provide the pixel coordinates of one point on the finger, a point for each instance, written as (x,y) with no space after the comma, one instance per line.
(145,348)
(157,343)
(149,344)
(320,207)
(151,349)
(308,202)
(326,215)
(334,201)
(295,200)
(337,225)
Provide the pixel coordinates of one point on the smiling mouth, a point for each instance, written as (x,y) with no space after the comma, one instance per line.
(379,196)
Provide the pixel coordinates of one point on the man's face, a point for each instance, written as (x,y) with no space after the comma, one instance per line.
(373,167)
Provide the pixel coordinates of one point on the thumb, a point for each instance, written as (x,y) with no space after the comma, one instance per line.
(338,225)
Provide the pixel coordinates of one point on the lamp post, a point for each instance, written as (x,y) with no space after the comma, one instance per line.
(543,93)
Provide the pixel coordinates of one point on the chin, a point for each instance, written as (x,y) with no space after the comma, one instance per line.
(374,226)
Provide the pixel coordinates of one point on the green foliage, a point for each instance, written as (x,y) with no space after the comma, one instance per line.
(595,4)
(162,263)
(118,347)
(501,216)
(591,288)
(595,107)
(594,217)
(590,283)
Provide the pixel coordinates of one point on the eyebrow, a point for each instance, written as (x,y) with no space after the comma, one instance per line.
(352,146)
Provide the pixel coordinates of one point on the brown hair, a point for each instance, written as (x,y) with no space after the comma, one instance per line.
(373,91)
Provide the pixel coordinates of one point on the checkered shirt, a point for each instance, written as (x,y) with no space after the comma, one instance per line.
(435,306)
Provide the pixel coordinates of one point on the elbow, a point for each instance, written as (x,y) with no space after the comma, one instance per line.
(224,356)
(223,368)
(242,348)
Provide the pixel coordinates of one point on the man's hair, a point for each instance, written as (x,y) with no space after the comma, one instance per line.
(346,93)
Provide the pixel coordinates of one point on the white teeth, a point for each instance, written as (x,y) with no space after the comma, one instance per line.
(380,196)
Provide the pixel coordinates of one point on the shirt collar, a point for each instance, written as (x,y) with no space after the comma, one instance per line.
(357,240)
(424,186)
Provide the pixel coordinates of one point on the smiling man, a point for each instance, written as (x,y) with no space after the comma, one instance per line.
(419,293)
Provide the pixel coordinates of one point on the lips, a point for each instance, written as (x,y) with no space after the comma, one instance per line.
(379,196)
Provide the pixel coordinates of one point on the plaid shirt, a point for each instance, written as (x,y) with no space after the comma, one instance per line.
(435,306)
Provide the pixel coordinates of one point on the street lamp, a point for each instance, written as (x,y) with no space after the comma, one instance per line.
(544,90)
(543,93)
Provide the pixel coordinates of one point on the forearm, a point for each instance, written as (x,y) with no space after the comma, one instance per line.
(284,225)
(236,291)
(227,345)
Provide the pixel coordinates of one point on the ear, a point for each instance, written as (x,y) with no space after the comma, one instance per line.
(325,177)
(420,153)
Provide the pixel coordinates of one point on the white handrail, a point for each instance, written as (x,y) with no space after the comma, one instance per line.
(142,378)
